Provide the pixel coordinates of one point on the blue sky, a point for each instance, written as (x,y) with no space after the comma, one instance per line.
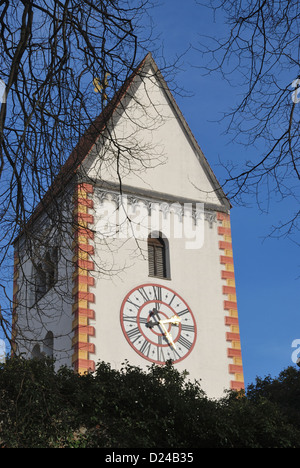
(267,270)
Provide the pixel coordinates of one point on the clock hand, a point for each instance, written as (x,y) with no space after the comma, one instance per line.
(155,313)
(167,334)
(175,320)
(151,323)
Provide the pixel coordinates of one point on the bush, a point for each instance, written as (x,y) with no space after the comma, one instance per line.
(131,408)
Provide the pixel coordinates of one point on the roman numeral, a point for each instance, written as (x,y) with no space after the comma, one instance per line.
(184,342)
(134,334)
(157,292)
(183,312)
(189,328)
(145,348)
(160,352)
(129,301)
(157,295)
(143,320)
(172,299)
(126,318)
(144,294)
(160,355)
(133,319)
(176,354)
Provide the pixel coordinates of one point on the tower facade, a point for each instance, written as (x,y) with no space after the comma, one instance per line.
(143,268)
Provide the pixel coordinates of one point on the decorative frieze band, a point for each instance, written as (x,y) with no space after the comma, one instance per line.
(195,209)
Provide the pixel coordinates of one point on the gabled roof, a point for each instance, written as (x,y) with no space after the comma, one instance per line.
(93,133)
(90,138)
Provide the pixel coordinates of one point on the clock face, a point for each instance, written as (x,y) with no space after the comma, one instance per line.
(158,324)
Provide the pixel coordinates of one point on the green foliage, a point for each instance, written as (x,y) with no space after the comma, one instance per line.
(283,390)
(131,408)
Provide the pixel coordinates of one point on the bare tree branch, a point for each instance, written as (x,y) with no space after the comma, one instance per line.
(261,56)
(52,54)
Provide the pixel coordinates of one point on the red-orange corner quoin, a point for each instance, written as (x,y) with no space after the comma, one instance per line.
(230,303)
(83,299)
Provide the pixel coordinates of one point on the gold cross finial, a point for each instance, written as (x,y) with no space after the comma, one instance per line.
(101,87)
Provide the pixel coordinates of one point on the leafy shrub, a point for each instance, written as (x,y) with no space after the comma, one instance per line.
(131,408)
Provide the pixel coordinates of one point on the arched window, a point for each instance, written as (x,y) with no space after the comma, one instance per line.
(48,344)
(41,281)
(36,352)
(158,256)
(46,273)
(50,267)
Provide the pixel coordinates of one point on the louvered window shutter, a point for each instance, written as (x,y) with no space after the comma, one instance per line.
(46,273)
(41,282)
(157,257)
(151,261)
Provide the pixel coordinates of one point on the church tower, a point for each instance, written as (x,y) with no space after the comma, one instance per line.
(143,267)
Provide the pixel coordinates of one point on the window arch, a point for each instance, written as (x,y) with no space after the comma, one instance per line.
(158,256)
